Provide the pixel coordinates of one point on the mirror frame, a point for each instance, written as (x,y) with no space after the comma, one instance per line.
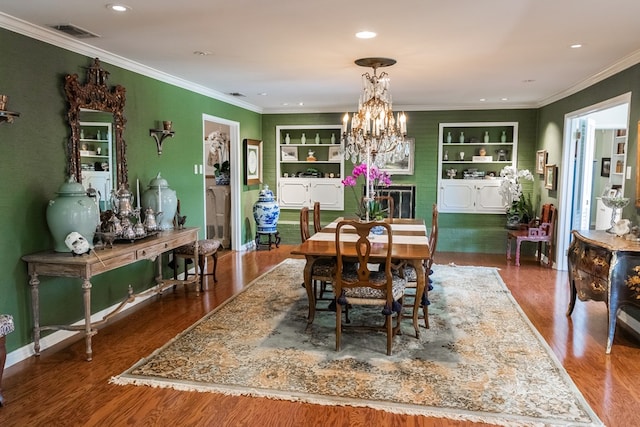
(95,95)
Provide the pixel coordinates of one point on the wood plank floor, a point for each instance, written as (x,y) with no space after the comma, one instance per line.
(59,388)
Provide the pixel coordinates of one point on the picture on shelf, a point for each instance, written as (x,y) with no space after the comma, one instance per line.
(288,154)
(334,154)
(605,169)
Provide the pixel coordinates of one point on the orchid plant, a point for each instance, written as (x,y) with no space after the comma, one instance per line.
(377,178)
(516,203)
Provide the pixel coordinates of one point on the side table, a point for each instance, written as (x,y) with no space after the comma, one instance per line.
(272,238)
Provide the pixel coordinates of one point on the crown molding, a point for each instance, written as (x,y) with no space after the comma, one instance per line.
(68,43)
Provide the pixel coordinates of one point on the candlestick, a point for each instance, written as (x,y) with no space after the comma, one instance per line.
(138,194)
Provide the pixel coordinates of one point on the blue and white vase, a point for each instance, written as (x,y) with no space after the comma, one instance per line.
(266,211)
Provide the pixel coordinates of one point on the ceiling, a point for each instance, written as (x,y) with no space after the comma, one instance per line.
(281,53)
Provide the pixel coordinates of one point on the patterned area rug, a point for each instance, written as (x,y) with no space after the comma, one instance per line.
(481,360)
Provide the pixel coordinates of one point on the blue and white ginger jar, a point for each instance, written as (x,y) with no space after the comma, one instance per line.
(266,211)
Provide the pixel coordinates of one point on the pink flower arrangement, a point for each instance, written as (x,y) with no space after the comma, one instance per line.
(377,178)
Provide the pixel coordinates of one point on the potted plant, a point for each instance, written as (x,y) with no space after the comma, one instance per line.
(518,206)
(222,172)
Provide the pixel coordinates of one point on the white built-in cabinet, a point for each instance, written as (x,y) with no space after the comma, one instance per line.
(310,166)
(477,152)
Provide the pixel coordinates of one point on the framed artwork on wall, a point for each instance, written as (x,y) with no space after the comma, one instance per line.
(550,177)
(404,166)
(605,169)
(252,161)
(541,160)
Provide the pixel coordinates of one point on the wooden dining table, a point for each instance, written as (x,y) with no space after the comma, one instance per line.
(409,243)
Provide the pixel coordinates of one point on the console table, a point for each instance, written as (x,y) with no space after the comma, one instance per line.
(604,267)
(59,264)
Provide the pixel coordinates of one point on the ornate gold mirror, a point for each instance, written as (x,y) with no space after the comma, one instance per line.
(96,96)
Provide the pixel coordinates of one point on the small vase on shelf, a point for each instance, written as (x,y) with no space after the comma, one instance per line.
(448,137)
(461,139)
(486,136)
(317,138)
(303,139)
(503,137)
(333,138)
(287,139)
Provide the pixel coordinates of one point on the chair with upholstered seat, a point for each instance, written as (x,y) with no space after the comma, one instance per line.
(316,217)
(538,231)
(362,286)
(322,270)
(207,248)
(410,272)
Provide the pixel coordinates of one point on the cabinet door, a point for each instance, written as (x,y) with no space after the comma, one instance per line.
(456,195)
(488,198)
(293,193)
(329,192)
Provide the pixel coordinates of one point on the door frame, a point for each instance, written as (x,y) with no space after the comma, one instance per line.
(235,155)
(568,170)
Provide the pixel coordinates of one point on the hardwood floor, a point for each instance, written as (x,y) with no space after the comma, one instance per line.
(60,388)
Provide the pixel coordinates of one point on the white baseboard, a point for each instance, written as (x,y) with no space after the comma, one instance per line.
(57,337)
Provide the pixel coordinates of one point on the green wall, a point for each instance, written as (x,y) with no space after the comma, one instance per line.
(33,166)
(551,127)
(457,232)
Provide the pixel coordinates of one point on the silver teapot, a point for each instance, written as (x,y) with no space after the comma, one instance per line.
(122,201)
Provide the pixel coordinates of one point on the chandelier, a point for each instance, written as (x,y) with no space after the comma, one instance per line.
(374,135)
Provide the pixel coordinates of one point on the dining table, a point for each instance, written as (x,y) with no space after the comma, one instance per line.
(409,241)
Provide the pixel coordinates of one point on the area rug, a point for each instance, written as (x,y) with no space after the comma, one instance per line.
(481,360)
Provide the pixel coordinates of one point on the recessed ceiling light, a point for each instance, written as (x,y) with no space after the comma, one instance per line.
(576,46)
(201,52)
(505,99)
(483,99)
(528,81)
(301,103)
(117,7)
(263,94)
(365,34)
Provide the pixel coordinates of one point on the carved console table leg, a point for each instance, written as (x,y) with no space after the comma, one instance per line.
(35,311)
(88,331)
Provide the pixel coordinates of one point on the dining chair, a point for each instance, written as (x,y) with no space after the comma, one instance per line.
(386,202)
(538,231)
(316,217)
(322,271)
(362,286)
(410,273)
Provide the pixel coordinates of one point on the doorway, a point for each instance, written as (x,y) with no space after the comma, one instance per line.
(221,154)
(584,158)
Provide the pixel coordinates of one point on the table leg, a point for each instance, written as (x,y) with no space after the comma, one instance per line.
(34,282)
(88,331)
(308,268)
(196,261)
(420,289)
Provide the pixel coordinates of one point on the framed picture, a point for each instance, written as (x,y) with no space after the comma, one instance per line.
(605,169)
(404,166)
(252,161)
(334,154)
(216,147)
(550,176)
(541,160)
(288,154)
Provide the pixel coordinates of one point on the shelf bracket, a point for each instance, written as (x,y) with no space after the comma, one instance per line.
(159,136)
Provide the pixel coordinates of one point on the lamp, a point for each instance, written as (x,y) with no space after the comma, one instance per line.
(375,136)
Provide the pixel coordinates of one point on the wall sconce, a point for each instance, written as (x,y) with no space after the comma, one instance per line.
(159,135)
(6,116)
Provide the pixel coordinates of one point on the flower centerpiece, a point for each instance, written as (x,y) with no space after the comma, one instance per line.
(518,207)
(367,207)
